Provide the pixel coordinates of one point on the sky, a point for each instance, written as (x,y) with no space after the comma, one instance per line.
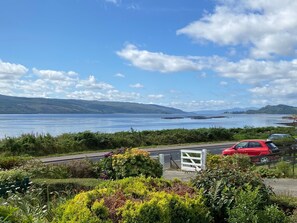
(187,54)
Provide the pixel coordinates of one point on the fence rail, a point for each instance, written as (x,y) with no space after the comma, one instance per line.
(193,160)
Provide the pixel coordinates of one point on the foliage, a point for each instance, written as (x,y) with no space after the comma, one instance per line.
(40,144)
(37,169)
(220,186)
(136,200)
(128,162)
(12,175)
(9,214)
(10,162)
(266,172)
(236,161)
(64,187)
(248,208)
(72,169)
(284,168)
(287,203)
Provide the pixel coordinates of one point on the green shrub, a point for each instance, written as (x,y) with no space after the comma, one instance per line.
(287,203)
(9,214)
(10,162)
(236,161)
(266,172)
(129,162)
(248,208)
(284,168)
(53,188)
(37,169)
(80,169)
(220,186)
(136,200)
(12,175)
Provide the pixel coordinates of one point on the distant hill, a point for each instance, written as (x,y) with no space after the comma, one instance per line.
(224,111)
(274,109)
(22,105)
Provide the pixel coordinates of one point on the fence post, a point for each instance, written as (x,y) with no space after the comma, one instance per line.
(204,156)
(162,160)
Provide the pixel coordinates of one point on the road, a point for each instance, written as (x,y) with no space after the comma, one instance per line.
(168,151)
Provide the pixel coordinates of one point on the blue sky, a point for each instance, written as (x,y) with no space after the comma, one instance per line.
(192,55)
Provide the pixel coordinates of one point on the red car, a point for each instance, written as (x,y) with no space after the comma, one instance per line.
(252,148)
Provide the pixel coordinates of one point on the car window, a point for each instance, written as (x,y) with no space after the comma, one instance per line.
(241,145)
(254,144)
(271,146)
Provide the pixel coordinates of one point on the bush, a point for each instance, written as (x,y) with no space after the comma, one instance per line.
(9,214)
(220,186)
(266,172)
(248,208)
(236,161)
(9,176)
(284,168)
(10,162)
(129,162)
(80,169)
(37,169)
(136,200)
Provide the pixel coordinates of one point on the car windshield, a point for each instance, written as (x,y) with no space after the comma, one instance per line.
(279,136)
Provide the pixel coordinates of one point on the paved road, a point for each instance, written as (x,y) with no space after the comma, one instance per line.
(168,151)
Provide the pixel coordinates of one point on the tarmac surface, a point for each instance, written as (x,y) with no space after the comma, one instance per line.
(283,186)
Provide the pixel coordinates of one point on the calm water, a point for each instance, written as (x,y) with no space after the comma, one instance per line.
(15,125)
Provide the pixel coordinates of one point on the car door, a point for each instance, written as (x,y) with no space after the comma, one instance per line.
(255,149)
(241,147)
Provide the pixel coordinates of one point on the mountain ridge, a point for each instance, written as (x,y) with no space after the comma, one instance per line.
(25,105)
(274,109)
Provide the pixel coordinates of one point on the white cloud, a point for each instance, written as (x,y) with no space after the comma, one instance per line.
(155,96)
(119,75)
(268,27)
(137,85)
(10,71)
(112,95)
(157,61)
(55,75)
(203,105)
(250,71)
(91,83)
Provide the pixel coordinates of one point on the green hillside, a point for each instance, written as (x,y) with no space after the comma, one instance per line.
(22,105)
(274,109)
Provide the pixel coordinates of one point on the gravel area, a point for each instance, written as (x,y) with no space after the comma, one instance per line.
(279,186)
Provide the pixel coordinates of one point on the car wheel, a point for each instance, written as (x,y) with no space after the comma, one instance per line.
(264,160)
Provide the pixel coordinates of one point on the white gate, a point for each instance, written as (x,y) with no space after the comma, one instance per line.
(193,160)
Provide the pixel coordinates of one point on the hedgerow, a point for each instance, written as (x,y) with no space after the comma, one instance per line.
(39,145)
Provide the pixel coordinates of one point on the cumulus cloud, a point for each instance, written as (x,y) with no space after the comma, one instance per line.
(267,28)
(91,83)
(9,71)
(55,75)
(158,61)
(18,81)
(137,85)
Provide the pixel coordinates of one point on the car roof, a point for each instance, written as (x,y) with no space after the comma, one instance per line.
(280,134)
(253,140)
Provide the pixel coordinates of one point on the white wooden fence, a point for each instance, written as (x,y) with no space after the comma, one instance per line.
(193,160)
